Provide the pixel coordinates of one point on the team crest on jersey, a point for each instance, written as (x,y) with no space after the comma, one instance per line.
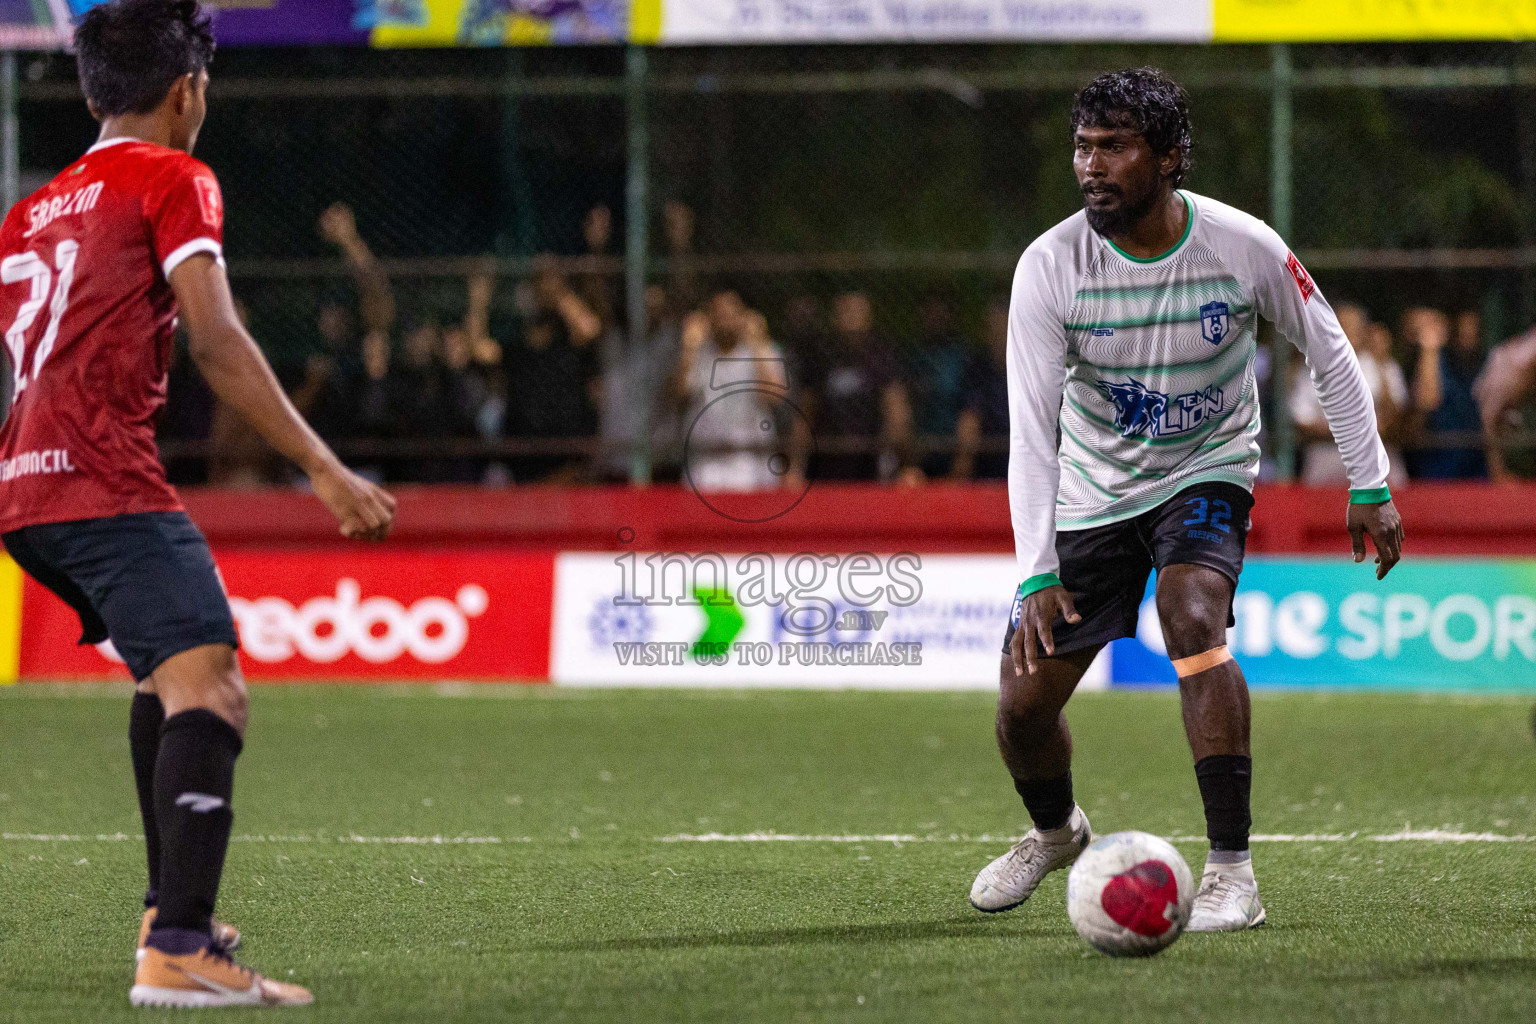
(1142,412)
(1214,322)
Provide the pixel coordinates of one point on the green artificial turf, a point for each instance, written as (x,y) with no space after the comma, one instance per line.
(580,913)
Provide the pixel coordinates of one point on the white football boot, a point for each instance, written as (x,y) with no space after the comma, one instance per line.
(1228,900)
(1013,877)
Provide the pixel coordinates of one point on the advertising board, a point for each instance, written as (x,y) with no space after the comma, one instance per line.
(1433,624)
(876,621)
(363,615)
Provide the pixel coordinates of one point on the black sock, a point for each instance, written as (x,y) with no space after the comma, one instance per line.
(1225,782)
(1048,801)
(145,717)
(194,782)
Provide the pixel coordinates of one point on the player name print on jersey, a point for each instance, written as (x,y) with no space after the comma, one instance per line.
(82,200)
(36,463)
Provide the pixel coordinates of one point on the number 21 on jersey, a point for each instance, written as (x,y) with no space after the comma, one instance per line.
(29,266)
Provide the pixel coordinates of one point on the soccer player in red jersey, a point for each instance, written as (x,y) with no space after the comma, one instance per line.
(94,270)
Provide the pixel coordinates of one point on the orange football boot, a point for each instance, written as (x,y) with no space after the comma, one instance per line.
(207,978)
(225,936)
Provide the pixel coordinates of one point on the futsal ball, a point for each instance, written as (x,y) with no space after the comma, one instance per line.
(1129,894)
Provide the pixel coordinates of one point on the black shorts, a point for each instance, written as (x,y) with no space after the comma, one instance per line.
(145,581)
(1106,567)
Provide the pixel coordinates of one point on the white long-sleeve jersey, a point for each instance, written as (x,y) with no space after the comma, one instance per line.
(1131,379)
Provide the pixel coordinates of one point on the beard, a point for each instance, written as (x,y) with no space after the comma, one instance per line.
(1118,220)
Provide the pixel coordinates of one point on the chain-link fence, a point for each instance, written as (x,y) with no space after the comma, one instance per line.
(468,315)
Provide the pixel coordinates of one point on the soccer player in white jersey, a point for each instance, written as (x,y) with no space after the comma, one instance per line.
(1135,423)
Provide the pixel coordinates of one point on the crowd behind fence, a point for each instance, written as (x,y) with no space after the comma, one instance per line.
(748,267)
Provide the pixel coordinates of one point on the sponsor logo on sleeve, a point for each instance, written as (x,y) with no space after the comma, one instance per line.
(1299,272)
(209,201)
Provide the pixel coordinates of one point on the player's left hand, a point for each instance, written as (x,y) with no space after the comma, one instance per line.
(1386,529)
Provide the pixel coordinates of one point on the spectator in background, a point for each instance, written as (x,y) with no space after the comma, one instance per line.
(343,386)
(684,291)
(939,367)
(600,290)
(1450,356)
(551,375)
(189,416)
(237,456)
(431,398)
(803,334)
(984,413)
(479,382)
(731,381)
(1505,385)
(1324,466)
(854,403)
(635,396)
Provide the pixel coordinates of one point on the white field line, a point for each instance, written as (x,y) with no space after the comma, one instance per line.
(1407,834)
(123,837)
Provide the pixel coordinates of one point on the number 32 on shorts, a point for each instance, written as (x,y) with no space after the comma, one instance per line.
(1212,513)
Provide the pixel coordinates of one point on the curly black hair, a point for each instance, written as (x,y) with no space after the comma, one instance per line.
(1145,99)
(131,52)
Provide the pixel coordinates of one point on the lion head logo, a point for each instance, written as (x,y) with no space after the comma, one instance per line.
(1138,409)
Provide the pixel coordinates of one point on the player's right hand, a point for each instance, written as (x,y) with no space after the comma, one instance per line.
(1036,616)
(364,510)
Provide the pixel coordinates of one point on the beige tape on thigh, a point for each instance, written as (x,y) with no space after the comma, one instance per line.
(1204,661)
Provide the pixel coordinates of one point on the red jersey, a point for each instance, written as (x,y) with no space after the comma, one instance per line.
(89,317)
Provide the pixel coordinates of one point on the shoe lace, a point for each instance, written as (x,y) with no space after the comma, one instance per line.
(217,952)
(1027,853)
(1220,890)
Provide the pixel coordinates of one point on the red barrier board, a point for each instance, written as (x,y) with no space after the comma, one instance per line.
(362,615)
(1440,518)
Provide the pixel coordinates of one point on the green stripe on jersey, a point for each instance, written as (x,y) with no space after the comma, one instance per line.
(1180,318)
(1148,369)
(1150,290)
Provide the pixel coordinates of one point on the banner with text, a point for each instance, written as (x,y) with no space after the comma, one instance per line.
(889,621)
(361,615)
(783,21)
(897,621)
(45,24)
(1433,624)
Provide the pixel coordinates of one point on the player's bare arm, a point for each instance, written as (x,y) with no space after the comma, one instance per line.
(239,374)
(1036,616)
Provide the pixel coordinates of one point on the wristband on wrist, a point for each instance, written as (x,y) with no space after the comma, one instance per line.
(1040,582)
(1369,495)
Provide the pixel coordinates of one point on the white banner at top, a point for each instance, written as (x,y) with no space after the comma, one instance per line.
(861,21)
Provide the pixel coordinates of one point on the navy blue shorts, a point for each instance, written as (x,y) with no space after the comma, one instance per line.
(145,581)
(1105,568)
